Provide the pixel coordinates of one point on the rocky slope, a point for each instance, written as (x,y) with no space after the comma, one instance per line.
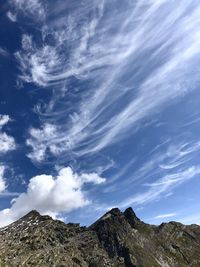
(117,239)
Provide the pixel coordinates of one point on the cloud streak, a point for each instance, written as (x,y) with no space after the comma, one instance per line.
(164,172)
(162,186)
(102,52)
(3,52)
(165,216)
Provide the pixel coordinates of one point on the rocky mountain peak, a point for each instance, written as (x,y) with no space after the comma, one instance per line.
(34,214)
(117,239)
(130,215)
(116,219)
(115,212)
(31,219)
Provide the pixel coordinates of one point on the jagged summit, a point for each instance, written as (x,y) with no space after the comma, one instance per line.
(118,217)
(130,213)
(114,211)
(117,239)
(131,217)
(34,214)
(31,219)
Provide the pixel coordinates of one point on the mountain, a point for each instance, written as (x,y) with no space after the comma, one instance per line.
(117,239)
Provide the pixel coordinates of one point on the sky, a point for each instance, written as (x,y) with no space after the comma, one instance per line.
(99,108)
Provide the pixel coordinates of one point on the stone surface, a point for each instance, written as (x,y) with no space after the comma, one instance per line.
(117,239)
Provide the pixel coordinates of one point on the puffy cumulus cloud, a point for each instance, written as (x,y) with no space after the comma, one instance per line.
(2,179)
(51,195)
(7,142)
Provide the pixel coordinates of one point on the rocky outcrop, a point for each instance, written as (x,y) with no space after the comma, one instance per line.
(117,239)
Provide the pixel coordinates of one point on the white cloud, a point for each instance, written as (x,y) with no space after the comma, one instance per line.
(47,132)
(168,157)
(7,143)
(4,119)
(51,195)
(160,173)
(37,64)
(2,179)
(165,216)
(162,186)
(32,8)
(11,16)
(97,52)
(3,52)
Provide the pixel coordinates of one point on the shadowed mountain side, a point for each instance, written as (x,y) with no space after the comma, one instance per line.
(117,239)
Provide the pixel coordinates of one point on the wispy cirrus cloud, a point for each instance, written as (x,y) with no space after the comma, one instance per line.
(158,176)
(11,16)
(161,186)
(170,158)
(102,52)
(7,142)
(36,64)
(32,8)
(3,52)
(165,216)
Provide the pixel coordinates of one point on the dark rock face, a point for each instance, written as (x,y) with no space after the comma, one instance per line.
(117,239)
(112,229)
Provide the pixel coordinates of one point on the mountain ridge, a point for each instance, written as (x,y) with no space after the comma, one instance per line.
(116,239)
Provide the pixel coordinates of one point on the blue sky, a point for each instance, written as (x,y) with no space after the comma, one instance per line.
(99,108)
